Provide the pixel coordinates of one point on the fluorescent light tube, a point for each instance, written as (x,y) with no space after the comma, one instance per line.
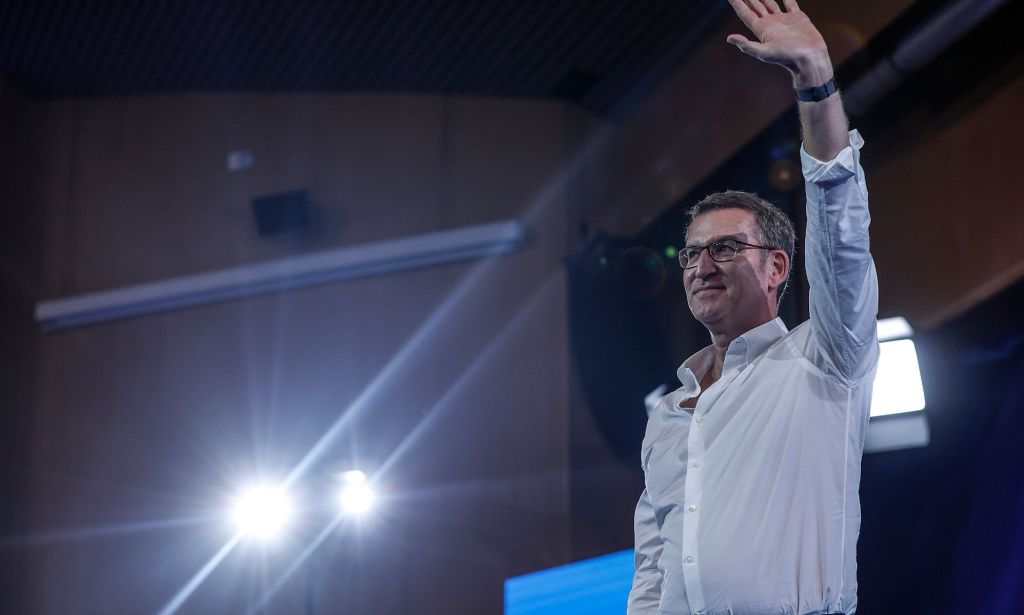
(363,260)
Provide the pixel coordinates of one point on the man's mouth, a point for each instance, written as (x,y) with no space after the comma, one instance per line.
(708,288)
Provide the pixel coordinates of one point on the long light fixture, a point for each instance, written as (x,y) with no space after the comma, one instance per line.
(359,261)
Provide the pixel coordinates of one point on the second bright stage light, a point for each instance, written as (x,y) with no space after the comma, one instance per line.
(356,496)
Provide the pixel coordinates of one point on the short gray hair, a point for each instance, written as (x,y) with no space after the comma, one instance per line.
(774,225)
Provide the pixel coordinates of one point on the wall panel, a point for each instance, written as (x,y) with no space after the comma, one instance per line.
(452,381)
(947,217)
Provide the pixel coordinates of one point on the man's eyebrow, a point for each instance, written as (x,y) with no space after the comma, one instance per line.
(741,238)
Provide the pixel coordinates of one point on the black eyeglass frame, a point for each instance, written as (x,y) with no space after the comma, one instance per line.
(745,246)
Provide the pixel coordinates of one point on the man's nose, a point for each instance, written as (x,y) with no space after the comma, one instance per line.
(706,265)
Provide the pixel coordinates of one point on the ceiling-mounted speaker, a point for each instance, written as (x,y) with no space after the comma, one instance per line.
(285,212)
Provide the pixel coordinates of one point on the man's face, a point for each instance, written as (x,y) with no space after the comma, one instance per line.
(734,293)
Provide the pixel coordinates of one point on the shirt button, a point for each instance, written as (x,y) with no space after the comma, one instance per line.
(693,508)
(696,464)
(689,559)
(700,419)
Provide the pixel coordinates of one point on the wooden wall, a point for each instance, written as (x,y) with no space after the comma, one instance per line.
(947,215)
(21,231)
(452,378)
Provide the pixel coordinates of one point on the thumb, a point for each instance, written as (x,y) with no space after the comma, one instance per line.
(747,46)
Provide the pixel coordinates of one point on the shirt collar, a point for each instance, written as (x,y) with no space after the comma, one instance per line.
(745,348)
(760,338)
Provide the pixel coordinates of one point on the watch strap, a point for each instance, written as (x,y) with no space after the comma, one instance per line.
(819,93)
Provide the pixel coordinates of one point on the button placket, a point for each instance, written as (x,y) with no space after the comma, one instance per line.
(691,519)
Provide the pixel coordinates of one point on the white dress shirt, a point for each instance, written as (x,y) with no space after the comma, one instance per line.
(751,502)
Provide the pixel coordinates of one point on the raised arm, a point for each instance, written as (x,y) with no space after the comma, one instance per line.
(785,36)
(840,271)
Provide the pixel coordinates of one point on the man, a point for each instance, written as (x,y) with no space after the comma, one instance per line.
(752,466)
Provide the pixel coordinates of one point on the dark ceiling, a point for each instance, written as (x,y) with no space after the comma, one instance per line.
(604,55)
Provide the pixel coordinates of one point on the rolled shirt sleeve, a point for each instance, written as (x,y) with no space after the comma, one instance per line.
(840,271)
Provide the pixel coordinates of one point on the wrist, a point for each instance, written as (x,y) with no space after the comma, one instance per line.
(812,70)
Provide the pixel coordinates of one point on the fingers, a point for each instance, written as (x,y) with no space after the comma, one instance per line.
(756,7)
(790,5)
(747,16)
(771,6)
(736,39)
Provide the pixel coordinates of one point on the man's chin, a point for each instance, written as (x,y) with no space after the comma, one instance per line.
(706,312)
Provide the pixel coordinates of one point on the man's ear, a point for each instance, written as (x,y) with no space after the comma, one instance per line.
(778,268)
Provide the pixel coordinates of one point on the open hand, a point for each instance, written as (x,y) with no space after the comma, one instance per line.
(785,36)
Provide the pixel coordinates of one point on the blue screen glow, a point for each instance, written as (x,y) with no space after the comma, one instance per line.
(598,586)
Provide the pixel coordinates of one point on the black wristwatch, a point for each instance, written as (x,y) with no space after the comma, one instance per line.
(819,93)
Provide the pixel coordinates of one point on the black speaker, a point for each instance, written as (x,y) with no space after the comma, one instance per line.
(281,213)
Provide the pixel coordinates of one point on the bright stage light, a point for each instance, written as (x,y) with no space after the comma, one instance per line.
(356,496)
(896,418)
(896,328)
(262,512)
(898,380)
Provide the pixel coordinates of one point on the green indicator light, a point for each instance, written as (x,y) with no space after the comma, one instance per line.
(671,252)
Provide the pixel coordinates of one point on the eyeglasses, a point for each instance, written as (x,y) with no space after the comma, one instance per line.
(720,250)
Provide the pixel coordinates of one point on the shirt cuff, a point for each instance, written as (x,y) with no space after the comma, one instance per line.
(841,167)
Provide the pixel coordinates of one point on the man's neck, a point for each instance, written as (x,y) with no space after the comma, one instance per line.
(720,341)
